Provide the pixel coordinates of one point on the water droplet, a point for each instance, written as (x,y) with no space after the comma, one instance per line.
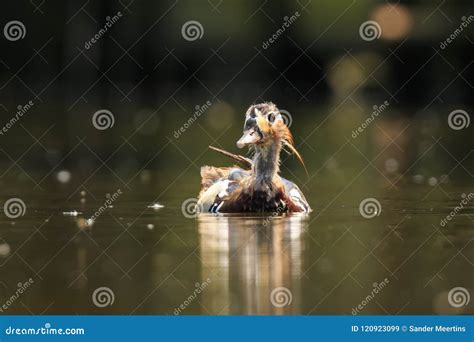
(4,249)
(63,176)
(156,206)
(391,165)
(71,213)
(432,181)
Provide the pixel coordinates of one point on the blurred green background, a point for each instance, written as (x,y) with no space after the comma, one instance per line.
(326,74)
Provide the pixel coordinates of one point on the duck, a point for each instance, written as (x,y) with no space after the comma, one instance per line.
(255,185)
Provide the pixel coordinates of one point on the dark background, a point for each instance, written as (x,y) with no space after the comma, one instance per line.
(151,79)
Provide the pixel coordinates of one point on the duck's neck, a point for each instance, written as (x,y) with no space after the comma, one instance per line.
(266,164)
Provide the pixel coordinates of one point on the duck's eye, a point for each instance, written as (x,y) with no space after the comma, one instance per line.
(271,117)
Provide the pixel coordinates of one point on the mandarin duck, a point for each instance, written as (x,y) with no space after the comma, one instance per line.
(257,186)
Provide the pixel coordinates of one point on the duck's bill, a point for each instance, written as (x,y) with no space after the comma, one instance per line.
(249,137)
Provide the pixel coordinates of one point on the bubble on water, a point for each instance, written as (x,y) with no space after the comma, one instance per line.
(391,165)
(63,176)
(83,200)
(150,226)
(71,213)
(156,206)
(83,193)
(4,249)
(81,223)
(432,181)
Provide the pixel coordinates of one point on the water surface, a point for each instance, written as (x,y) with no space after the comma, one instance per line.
(154,260)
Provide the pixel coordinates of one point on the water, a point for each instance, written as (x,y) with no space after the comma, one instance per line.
(157,261)
(137,259)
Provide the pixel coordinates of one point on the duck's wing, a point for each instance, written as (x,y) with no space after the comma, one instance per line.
(214,197)
(296,195)
(246,162)
(216,185)
(211,175)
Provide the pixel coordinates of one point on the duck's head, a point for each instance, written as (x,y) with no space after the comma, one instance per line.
(264,127)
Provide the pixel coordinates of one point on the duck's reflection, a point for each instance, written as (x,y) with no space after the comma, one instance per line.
(254,264)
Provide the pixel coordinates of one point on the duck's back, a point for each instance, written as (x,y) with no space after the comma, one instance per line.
(230,190)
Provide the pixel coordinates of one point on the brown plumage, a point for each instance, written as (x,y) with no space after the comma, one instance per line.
(257,186)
